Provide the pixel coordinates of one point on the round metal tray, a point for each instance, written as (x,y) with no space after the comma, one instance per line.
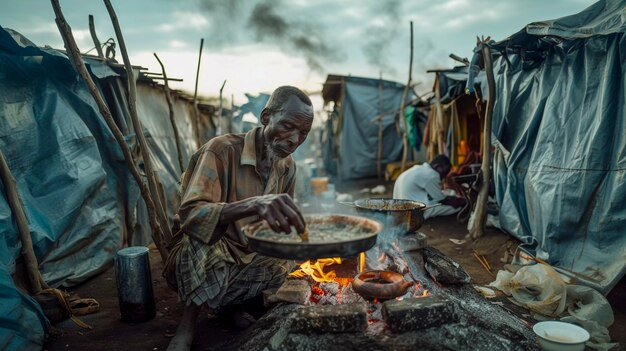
(313,250)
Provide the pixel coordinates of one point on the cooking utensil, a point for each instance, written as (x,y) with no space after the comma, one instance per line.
(380,285)
(302,250)
(401,214)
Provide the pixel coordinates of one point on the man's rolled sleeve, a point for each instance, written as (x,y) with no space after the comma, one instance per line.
(203,201)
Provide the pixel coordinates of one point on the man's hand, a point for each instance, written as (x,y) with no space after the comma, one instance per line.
(453,201)
(280,212)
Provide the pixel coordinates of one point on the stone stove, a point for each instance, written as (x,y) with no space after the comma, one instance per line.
(432,315)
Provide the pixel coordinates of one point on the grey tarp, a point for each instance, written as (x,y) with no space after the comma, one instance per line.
(358,141)
(561,141)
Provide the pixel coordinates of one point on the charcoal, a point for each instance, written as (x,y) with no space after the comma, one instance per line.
(443,269)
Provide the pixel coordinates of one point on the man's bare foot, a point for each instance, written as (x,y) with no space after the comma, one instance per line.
(186,329)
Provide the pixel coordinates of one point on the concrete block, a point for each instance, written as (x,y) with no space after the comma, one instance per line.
(330,319)
(294,291)
(418,313)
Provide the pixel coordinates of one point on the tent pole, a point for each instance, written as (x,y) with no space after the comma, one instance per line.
(17,208)
(405,135)
(94,37)
(195,98)
(79,66)
(170,106)
(379,153)
(480,213)
(219,113)
(143,144)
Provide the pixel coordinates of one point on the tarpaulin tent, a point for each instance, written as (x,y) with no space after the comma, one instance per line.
(560,133)
(79,197)
(351,145)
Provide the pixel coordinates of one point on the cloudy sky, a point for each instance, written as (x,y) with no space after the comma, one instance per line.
(257,45)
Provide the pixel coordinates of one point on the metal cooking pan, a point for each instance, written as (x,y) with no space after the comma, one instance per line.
(313,250)
(398,214)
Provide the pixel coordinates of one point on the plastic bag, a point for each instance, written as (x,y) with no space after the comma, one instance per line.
(538,287)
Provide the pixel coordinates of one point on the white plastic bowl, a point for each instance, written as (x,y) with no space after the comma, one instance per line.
(560,336)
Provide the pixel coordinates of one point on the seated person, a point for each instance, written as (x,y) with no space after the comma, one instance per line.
(423,183)
(232,180)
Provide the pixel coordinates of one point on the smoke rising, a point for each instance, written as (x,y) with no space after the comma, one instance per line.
(380,34)
(295,31)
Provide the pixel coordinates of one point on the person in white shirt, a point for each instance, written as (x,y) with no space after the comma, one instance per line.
(423,183)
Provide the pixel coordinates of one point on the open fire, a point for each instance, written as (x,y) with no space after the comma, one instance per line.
(329,288)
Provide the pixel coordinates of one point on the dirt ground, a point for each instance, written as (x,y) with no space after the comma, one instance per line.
(110,334)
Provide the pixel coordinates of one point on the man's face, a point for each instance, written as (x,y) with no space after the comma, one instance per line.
(287,129)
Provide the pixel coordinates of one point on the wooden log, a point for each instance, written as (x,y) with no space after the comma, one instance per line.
(76,61)
(94,37)
(170,105)
(28,253)
(405,136)
(480,213)
(153,181)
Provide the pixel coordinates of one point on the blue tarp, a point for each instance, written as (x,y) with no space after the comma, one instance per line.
(560,134)
(358,139)
(78,195)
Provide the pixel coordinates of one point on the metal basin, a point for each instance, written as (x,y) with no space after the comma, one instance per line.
(397,214)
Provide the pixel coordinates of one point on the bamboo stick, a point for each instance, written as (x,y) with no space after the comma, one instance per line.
(79,66)
(170,105)
(405,137)
(143,144)
(480,213)
(28,253)
(94,37)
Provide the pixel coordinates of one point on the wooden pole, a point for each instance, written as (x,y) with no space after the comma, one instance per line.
(143,144)
(219,111)
(28,253)
(405,135)
(77,61)
(232,113)
(439,134)
(94,37)
(480,213)
(195,98)
(170,105)
(379,153)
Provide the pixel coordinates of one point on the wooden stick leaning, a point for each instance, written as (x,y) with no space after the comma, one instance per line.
(196,112)
(480,213)
(76,61)
(219,112)
(94,37)
(405,135)
(153,181)
(13,197)
(170,105)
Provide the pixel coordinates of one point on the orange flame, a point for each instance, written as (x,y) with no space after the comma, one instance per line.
(316,270)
